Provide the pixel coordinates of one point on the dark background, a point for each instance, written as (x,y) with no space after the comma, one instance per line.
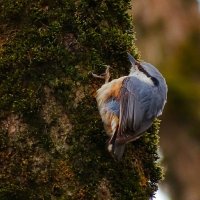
(168,35)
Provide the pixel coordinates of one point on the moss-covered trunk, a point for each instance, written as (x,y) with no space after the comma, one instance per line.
(52,142)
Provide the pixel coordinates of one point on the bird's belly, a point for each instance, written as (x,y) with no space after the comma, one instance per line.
(107,99)
(110,120)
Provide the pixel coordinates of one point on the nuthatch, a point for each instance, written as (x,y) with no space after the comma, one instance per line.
(128,105)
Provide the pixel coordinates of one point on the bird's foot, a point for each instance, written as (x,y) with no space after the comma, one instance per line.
(105,76)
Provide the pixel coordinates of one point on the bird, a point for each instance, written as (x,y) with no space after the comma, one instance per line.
(128,105)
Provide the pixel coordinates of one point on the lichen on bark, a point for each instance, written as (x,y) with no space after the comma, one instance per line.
(52,138)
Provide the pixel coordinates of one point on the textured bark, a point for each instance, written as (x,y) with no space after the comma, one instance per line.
(52,138)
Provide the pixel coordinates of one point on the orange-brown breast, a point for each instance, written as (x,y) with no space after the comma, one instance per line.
(107,91)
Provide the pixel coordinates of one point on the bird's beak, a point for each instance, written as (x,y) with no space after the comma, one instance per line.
(132,59)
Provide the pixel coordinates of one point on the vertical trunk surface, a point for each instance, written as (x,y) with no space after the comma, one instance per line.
(52,142)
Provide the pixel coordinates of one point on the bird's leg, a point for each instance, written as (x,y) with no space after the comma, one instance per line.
(105,75)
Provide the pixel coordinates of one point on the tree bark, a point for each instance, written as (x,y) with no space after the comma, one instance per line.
(52,139)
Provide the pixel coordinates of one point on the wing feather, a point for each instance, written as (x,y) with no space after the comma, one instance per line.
(137,106)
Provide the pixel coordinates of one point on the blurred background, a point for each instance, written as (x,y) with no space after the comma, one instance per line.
(168,36)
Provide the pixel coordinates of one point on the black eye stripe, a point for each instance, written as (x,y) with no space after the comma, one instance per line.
(155,80)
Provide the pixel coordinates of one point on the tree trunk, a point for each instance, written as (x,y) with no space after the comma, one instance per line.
(52,140)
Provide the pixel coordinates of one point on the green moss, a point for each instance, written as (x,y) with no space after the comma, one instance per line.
(9,193)
(55,44)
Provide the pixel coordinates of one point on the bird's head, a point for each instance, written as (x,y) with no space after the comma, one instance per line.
(148,73)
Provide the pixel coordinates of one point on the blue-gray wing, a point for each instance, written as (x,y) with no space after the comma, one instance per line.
(140,103)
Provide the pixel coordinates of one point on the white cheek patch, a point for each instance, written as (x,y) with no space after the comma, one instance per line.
(142,77)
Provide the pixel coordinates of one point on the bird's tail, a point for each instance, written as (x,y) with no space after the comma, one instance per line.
(116,149)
